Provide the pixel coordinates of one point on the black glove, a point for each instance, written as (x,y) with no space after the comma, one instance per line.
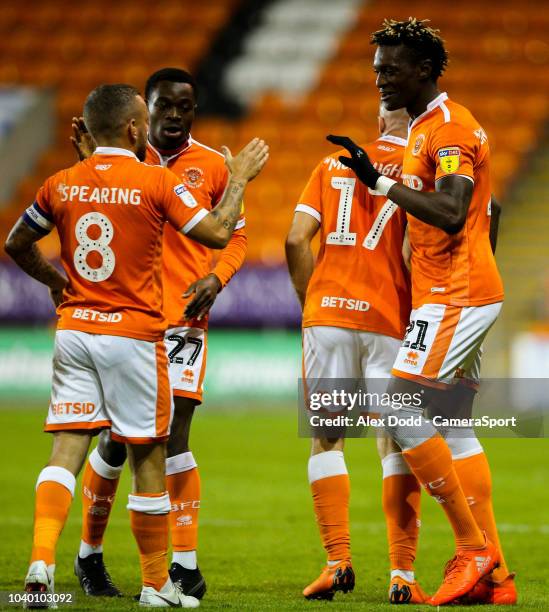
(359,162)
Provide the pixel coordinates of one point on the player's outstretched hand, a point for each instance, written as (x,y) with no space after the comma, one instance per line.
(205,291)
(359,162)
(249,162)
(81,139)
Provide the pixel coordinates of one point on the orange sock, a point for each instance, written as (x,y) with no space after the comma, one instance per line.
(331,490)
(54,492)
(431,462)
(99,485)
(149,523)
(476,481)
(401,499)
(183,482)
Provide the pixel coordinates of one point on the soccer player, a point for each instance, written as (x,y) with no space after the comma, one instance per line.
(170,94)
(110,364)
(456,288)
(356,303)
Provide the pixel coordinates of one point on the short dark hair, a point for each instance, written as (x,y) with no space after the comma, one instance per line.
(107,106)
(173,75)
(422,40)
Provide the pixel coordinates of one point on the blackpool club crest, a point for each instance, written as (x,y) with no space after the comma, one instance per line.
(449,159)
(418,144)
(193,177)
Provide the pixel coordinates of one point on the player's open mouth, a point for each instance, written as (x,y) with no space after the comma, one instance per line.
(386,95)
(173,130)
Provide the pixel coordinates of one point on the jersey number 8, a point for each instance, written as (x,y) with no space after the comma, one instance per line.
(99,245)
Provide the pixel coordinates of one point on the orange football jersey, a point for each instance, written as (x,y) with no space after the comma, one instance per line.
(359,280)
(110,211)
(459,269)
(204,173)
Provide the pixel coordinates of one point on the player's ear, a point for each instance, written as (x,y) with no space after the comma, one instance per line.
(425,69)
(133,132)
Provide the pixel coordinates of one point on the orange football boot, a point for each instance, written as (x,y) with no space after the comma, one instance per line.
(464,571)
(486,591)
(403,592)
(339,577)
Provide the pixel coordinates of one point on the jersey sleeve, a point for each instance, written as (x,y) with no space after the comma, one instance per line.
(453,150)
(232,257)
(310,200)
(39,215)
(179,205)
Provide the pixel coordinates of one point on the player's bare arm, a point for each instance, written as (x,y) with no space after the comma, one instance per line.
(81,139)
(21,247)
(216,229)
(445,208)
(299,255)
(495,209)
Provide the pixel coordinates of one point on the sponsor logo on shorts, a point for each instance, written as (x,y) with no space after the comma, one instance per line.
(438,289)
(411,358)
(344,303)
(188,376)
(74,408)
(87,314)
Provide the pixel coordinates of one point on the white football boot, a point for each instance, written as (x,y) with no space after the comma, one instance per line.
(39,579)
(168,597)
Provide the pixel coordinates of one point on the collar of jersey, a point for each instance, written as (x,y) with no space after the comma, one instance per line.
(394,139)
(114,151)
(438,101)
(164,161)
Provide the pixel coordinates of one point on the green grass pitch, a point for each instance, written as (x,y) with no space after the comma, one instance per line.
(258,541)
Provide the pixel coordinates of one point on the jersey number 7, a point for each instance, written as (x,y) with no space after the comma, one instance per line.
(342,236)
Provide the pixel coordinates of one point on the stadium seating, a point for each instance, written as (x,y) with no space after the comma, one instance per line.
(497,61)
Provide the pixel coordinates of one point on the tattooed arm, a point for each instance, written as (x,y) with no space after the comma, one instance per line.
(216,229)
(21,247)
